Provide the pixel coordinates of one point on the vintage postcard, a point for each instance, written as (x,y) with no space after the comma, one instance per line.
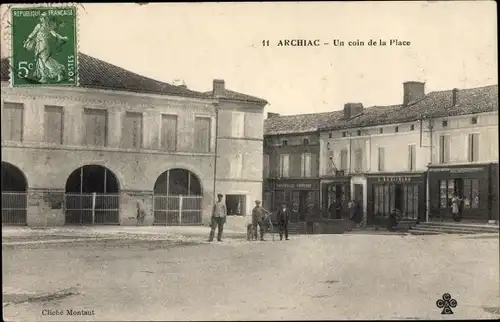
(250,161)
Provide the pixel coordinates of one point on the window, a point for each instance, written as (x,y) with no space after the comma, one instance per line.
(12,122)
(396,129)
(412,127)
(471,193)
(306,141)
(473,120)
(381,159)
(53,125)
(445,123)
(344,134)
(202,134)
(284,143)
(444,149)
(330,135)
(381,130)
(236,165)
(306,165)
(358,161)
(169,132)
(235,205)
(412,157)
(284,165)
(265,166)
(132,131)
(96,122)
(359,132)
(473,147)
(238,124)
(343,159)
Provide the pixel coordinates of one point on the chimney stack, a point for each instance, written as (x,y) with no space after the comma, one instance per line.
(413,91)
(352,109)
(218,87)
(455,96)
(271,115)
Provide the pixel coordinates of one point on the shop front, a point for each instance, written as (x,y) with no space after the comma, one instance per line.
(301,197)
(476,186)
(335,195)
(403,192)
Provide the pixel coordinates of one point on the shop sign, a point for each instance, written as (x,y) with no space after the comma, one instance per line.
(294,185)
(456,170)
(394,179)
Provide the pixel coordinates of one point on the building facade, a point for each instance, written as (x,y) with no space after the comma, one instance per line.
(96,153)
(389,157)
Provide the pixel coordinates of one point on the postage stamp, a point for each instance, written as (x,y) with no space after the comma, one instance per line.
(44,46)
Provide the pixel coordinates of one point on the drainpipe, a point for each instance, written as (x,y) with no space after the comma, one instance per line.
(215,150)
(428,202)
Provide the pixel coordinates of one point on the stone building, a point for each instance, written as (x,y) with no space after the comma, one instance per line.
(96,153)
(415,155)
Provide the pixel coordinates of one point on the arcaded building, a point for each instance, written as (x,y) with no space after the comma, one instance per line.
(96,153)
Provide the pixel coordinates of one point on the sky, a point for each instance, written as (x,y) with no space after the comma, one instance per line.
(452,44)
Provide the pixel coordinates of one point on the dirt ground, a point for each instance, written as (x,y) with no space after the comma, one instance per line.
(357,276)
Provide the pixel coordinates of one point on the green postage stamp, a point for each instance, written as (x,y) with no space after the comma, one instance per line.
(44,46)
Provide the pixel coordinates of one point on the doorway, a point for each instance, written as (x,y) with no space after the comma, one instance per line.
(358,198)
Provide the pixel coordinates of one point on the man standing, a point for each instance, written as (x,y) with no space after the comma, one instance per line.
(455,207)
(283,218)
(219,213)
(258,215)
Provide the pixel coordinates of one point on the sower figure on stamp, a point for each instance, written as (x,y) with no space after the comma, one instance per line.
(258,216)
(283,218)
(219,213)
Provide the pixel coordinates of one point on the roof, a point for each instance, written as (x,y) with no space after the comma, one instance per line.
(95,73)
(232,95)
(435,104)
(302,123)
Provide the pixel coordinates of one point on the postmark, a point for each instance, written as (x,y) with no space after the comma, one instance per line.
(44,46)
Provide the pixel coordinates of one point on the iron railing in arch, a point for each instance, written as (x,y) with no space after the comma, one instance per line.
(177,210)
(92,209)
(14,208)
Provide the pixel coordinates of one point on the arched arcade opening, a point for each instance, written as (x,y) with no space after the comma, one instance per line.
(14,195)
(177,198)
(92,197)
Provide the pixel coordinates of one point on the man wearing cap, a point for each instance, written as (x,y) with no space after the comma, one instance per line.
(258,216)
(219,213)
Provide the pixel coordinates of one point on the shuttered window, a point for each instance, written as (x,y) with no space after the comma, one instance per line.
(444,149)
(132,131)
(202,134)
(265,166)
(358,161)
(343,159)
(96,121)
(306,165)
(473,147)
(381,159)
(412,157)
(53,124)
(284,165)
(169,132)
(12,122)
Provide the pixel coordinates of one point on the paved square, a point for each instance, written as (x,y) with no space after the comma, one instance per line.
(309,277)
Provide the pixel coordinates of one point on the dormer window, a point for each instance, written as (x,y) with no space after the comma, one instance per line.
(359,132)
(396,129)
(473,120)
(445,123)
(284,143)
(381,130)
(344,134)
(306,142)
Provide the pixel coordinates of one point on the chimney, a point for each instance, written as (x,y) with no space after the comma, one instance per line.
(413,91)
(218,87)
(352,109)
(455,96)
(271,115)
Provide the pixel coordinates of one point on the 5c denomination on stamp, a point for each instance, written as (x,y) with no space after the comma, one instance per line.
(44,46)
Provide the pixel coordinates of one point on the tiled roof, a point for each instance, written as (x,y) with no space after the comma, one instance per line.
(227,94)
(95,73)
(302,123)
(434,104)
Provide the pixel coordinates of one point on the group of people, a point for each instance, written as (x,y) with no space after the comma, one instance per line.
(261,218)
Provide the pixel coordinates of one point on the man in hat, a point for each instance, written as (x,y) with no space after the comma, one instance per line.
(283,217)
(219,213)
(258,216)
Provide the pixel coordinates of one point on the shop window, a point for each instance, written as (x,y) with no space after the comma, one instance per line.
(447,189)
(471,193)
(235,205)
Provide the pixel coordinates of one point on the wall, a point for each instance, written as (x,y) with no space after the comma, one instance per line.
(459,128)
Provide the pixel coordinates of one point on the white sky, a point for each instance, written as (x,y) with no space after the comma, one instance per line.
(453,44)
